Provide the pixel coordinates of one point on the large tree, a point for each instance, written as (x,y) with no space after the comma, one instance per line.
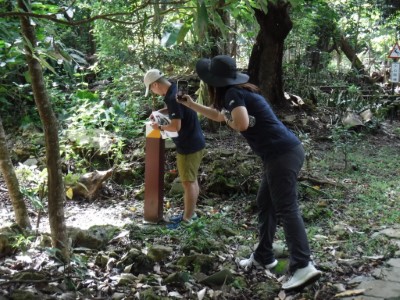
(265,64)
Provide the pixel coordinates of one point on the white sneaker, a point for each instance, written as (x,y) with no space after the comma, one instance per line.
(249,262)
(304,275)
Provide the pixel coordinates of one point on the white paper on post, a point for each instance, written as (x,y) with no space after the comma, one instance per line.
(161,119)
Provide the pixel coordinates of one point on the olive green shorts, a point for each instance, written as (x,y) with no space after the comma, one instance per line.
(188,165)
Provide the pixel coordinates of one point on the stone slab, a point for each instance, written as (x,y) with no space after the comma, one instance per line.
(393,233)
(380,288)
(394,262)
(361,298)
(388,274)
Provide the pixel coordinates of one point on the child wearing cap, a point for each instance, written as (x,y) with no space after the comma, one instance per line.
(190,142)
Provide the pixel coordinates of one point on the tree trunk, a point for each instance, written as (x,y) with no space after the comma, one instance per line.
(16,197)
(356,63)
(265,65)
(219,46)
(56,193)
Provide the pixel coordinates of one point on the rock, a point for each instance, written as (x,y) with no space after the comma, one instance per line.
(29,275)
(101,260)
(351,120)
(159,252)
(218,279)
(176,188)
(31,162)
(266,290)
(339,287)
(117,296)
(96,237)
(178,278)
(126,279)
(7,235)
(359,279)
(394,262)
(67,296)
(5,270)
(204,245)
(197,262)
(138,262)
(366,115)
(43,241)
(27,294)
(393,233)
(5,246)
(89,185)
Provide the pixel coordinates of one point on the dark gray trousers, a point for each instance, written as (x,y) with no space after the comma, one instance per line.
(277,199)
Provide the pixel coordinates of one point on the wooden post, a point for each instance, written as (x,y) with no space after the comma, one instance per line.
(154,176)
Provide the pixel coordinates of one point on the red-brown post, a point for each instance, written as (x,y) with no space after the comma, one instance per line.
(154,177)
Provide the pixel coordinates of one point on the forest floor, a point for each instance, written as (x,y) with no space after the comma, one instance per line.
(117,208)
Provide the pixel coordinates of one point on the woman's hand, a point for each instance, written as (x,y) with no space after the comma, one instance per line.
(186,100)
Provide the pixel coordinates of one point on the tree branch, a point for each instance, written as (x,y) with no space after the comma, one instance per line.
(107,17)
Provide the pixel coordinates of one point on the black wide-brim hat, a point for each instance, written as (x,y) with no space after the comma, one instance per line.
(220,71)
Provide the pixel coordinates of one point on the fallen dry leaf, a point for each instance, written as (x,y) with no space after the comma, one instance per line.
(350,293)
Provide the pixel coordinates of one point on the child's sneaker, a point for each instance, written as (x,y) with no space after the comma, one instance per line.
(179,218)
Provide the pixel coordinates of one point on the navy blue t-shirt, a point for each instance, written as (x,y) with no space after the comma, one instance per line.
(190,138)
(269,135)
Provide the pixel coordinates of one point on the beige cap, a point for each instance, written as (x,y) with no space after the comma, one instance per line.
(151,76)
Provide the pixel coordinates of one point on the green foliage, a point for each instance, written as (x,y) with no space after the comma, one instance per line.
(345,140)
(95,126)
(70,179)
(317,213)
(32,180)
(21,242)
(33,185)
(196,237)
(357,244)
(35,199)
(77,266)
(359,203)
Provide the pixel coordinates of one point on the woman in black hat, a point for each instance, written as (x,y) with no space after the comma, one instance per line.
(244,109)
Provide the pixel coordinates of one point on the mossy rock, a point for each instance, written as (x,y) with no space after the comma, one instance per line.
(7,238)
(137,262)
(266,290)
(219,278)
(197,263)
(177,279)
(96,237)
(159,252)
(201,245)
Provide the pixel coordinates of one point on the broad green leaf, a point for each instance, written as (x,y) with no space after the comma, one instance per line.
(221,25)
(44,63)
(182,33)
(202,20)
